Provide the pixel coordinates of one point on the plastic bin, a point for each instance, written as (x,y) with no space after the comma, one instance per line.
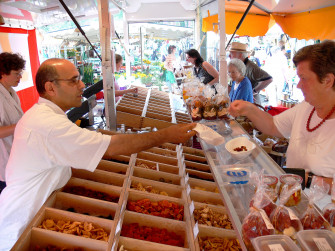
(316,240)
(274,242)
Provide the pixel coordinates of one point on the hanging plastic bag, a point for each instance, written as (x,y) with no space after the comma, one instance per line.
(283,219)
(329,210)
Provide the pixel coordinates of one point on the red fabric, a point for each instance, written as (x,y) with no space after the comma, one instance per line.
(29,96)
(99,95)
(275,110)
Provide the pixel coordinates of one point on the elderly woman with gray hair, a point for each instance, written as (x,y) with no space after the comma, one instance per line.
(241,88)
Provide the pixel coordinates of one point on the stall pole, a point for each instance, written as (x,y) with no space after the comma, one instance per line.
(222,32)
(197,26)
(106,27)
(126,41)
(141,42)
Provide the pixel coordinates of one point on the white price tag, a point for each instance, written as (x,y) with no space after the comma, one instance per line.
(322,244)
(195,230)
(113,248)
(187,177)
(118,227)
(123,206)
(276,247)
(188,189)
(266,219)
(191,207)
(292,214)
(157,167)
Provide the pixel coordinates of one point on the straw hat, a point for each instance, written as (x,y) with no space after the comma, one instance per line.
(236,46)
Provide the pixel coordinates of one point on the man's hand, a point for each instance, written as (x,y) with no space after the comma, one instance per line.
(179,133)
(239,108)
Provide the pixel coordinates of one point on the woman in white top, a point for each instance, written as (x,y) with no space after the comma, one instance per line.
(11,67)
(311,124)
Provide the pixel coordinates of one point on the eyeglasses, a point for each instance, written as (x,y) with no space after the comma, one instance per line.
(74,80)
(18,74)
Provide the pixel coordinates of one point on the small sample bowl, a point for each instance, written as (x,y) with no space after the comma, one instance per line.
(239,142)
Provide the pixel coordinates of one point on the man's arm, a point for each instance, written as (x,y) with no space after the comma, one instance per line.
(262,85)
(6,131)
(261,120)
(126,144)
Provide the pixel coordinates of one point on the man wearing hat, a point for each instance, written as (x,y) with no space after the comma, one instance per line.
(259,78)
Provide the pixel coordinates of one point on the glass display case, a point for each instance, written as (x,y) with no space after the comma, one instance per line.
(237,196)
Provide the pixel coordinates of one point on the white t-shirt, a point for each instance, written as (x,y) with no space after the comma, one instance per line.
(10,113)
(46,145)
(313,151)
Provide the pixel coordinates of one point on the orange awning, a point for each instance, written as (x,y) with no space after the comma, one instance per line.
(315,24)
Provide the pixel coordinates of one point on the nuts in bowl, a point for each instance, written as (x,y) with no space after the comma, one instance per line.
(240,147)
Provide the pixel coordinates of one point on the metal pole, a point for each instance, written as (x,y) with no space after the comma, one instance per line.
(222,33)
(241,21)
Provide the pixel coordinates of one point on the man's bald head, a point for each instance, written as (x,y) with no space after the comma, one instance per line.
(47,72)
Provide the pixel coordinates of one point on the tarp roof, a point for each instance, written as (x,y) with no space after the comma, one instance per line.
(300,19)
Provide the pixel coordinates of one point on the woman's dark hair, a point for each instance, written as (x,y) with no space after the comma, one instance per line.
(193,53)
(118,58)
(321,57)
(10,62)
(171,48)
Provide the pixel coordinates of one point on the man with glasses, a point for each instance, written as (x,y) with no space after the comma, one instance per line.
(11,67)
(47,144)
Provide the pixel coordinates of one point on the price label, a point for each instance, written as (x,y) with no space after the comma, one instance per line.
(322,244)
(113,248)
(118,227)
(195,230)
(187,177)
(292,214)
(123,206)
(191,207)
(276,247)
(188,189)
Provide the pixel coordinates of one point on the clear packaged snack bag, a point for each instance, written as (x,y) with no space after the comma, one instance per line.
(265,195)
(329,210)
(312,218)
(283,219)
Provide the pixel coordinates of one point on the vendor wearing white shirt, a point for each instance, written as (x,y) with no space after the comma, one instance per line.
(11,67)
(311,124)
(46,145)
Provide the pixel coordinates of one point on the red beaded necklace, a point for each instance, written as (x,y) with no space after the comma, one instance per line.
(317,126)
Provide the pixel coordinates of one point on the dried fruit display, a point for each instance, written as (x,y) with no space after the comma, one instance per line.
(84,229)
(140,187)
(285,221)
(329,214)
(152,234)
(204,189)
(219,244)
(312,219)
(206,216)
(82,191)
(145,165)
(54,248)
(162,208)
(255,224)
